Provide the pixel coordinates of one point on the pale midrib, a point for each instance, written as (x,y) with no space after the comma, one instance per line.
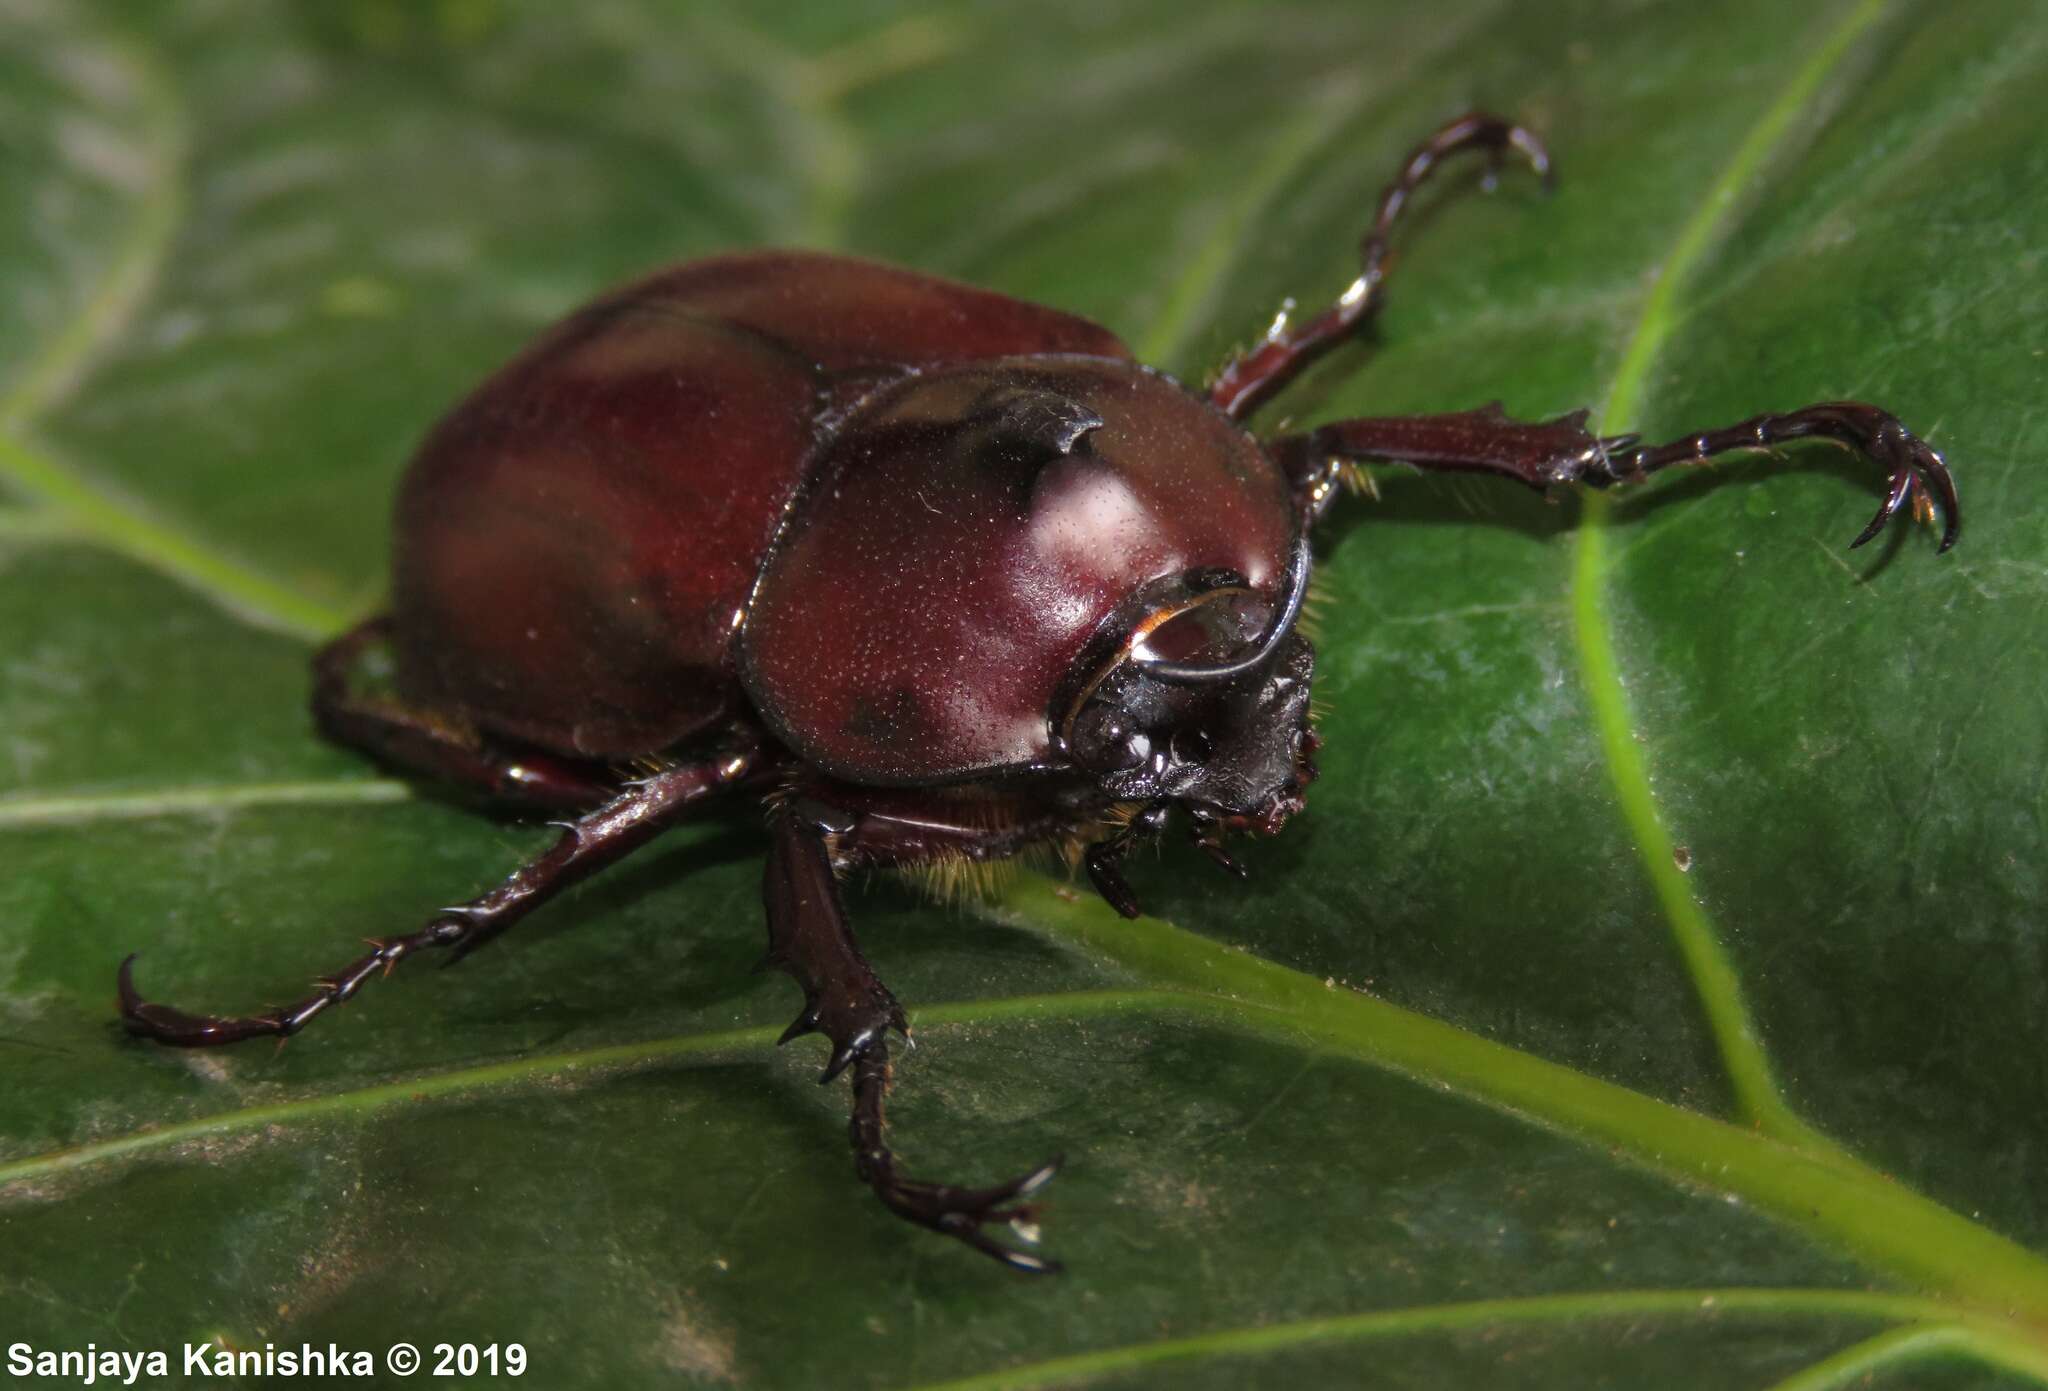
(20,813)
(1857,1364)
(1821,1190)
(1833,1196)
(1997,1338)
(1750,1073)
(537,1067)
(93,510)
(1932,1329)
(1886,1224)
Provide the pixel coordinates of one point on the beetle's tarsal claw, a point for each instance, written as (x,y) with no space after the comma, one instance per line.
(1524,140)
(1869,533)
(1039,1177)
(966,1213)
(124,979)
(1020,1260)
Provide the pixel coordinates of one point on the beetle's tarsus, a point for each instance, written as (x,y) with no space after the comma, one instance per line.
(1916,473)
(1561,451)
(169,1025)
(961,1213)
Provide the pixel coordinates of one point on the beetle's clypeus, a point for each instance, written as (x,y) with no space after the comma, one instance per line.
(932,574)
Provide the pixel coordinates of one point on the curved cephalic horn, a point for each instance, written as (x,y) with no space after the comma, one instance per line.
(1294,590)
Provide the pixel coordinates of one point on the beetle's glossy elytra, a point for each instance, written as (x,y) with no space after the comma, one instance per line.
(575,540)
(932,574)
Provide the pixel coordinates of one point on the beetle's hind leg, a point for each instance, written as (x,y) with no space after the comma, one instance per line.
(633,816)
(414,742)
(808,936)
(1541,453)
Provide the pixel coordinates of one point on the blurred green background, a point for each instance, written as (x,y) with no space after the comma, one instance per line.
(1472,1084)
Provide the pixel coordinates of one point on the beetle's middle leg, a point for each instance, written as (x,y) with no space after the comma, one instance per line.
(808,936)
(631,818)
(1542,453)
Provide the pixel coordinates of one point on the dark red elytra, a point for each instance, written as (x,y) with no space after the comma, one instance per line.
(934,574)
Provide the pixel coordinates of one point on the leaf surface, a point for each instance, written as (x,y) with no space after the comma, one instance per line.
(1651,996)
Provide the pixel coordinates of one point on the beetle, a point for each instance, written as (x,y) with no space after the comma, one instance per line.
(933,575)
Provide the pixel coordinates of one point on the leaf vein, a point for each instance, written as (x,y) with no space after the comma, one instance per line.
(1706,960)
(98,512)
(205,799)
(1934,1325)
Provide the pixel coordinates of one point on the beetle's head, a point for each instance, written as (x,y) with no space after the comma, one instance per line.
(1203,707)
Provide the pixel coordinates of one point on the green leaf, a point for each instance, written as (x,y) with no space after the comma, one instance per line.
(1651,996)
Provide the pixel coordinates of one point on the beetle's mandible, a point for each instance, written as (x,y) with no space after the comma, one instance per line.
(930,574)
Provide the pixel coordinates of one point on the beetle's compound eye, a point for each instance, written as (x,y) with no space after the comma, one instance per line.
(1105,741)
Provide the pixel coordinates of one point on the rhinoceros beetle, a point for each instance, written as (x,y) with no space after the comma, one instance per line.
(933,575)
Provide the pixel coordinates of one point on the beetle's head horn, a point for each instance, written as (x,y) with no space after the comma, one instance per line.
(1211,671)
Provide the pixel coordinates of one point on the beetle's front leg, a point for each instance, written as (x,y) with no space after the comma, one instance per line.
(808,936)
(1252,378)
(1541,453)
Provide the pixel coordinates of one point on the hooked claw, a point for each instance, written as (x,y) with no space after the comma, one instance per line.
(963,1212)
(1918,473)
